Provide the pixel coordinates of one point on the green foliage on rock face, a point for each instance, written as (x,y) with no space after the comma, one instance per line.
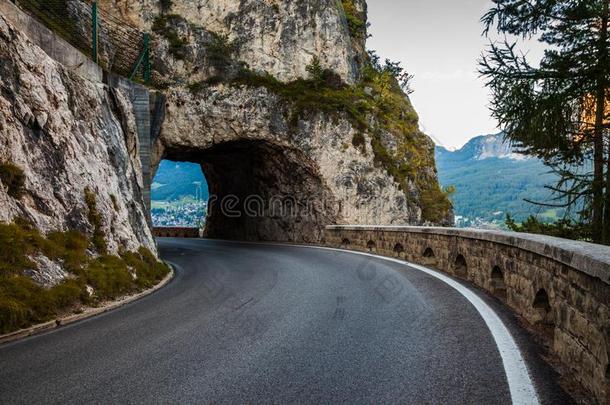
(164,26)
(355,20)
(13,178)
(23,302)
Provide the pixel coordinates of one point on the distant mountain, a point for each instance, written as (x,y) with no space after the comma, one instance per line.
(176,180)
(484,147)
(492,179)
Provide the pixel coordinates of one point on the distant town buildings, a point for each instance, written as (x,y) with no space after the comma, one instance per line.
(190,214)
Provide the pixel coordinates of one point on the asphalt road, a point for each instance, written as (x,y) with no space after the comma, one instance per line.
(244,323)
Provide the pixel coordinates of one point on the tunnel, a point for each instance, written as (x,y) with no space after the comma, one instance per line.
(259,191)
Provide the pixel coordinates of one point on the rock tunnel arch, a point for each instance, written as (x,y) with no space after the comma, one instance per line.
(259,190)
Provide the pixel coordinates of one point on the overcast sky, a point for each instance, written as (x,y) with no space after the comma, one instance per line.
(438,41)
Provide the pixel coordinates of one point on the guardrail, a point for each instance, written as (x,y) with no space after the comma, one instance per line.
(114,44)
(561,287)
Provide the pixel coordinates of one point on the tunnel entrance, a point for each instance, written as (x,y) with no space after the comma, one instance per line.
(260,191)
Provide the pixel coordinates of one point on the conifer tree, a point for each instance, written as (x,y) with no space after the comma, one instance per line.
(557,109)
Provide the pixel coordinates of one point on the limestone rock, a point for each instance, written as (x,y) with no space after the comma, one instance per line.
(67,134)
(279,37)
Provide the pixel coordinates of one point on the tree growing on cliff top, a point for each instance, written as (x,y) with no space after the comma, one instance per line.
(558,109)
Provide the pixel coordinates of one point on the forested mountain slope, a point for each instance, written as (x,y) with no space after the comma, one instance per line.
(492,179)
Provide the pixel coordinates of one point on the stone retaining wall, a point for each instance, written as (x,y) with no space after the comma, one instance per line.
(176,232)
(561,287)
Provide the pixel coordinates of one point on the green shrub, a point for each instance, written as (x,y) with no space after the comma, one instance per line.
(13,314)
(13,178)
(563,228)
(95,219)
(23,302)
(70,248)
(68,293)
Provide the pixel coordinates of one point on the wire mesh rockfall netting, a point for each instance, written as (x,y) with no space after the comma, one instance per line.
(119,46)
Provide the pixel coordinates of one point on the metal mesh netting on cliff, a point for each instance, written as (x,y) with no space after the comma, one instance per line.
(113,43)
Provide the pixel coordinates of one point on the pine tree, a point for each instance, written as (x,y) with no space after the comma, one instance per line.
(558,109)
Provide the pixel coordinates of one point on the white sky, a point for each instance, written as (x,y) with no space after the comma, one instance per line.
(438,41)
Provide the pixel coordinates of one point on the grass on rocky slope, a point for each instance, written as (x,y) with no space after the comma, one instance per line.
(23,302)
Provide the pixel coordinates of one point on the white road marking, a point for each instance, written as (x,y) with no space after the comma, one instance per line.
(522,390)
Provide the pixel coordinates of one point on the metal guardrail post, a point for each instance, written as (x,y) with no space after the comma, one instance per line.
(147,70)
(94,29)
(143,61)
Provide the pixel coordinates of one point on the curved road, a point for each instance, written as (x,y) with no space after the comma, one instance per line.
(245,323)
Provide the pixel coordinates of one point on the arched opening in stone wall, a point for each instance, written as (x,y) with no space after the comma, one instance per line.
(544,314)
(429,259)
(498,284)
(370,245)
(259,191)
(460,266)
(399,250)
(345,243)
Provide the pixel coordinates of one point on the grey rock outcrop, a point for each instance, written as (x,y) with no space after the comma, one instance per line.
(68,134)
(223,125)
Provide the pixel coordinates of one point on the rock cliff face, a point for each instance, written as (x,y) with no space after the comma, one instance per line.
(295,125)
(275,36)
(279,100)
(284,109)
(67,135)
